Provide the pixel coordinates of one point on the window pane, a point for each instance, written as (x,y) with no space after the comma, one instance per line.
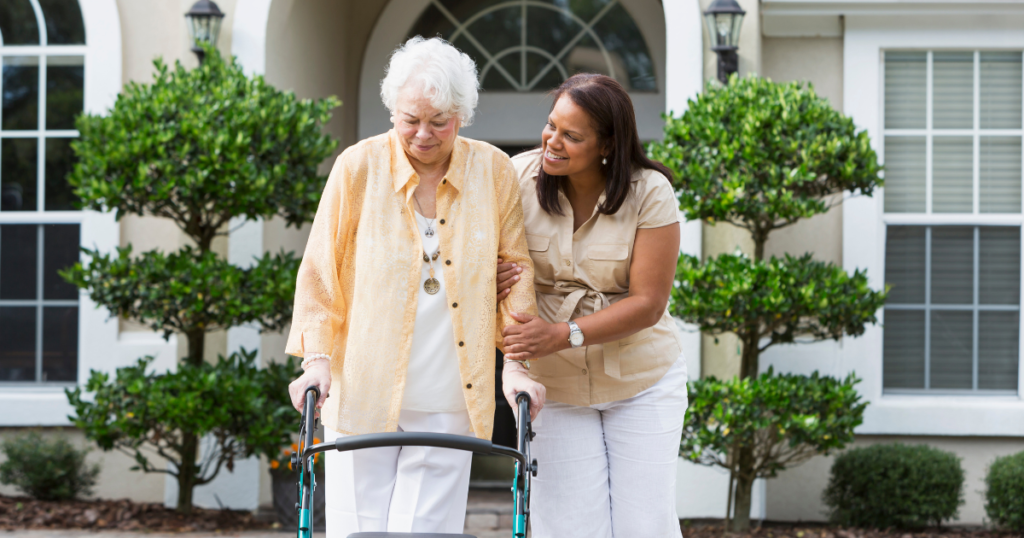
(18,352)
(952,265)
(627,49)
(904,174)
(63,22)
(19,254)
(952,174)
(953,90)
(65,80)
(18,178)
(61,243)
(18,23)
(1000,174)
(999,266)
(60,343)
(60,160)
(951,361)
(905,92)
(998,346)
(903,349)
(21,92)
(904,264)
(1001,90)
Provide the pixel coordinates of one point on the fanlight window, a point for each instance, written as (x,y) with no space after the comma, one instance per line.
(533,45)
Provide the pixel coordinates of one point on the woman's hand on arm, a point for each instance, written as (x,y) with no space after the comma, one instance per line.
(508,275)
(533,338)
(514,380)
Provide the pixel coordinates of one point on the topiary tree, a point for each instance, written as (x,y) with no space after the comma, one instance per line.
(761,156)
(1004,492)
(199,147)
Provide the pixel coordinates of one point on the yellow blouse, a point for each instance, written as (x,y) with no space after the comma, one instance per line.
(357,287)
(578,273)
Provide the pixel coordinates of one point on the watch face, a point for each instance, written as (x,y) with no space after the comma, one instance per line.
(576,338)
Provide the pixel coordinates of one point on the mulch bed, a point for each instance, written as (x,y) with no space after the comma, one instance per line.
(19,513)
(783,530)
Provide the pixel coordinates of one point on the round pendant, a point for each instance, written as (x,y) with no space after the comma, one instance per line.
(431,285)
(429,232)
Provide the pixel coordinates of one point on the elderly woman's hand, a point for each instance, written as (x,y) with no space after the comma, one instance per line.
(508,274)
(534,339)
(316,375)
(514,380)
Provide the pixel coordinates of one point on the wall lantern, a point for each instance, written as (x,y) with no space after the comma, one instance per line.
(203,25)
(724,18)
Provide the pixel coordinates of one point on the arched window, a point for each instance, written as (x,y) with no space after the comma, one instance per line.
(42,55)
(533,45)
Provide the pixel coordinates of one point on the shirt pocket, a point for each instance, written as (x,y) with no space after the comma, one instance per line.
(636,353)
(607,264)
(539,246)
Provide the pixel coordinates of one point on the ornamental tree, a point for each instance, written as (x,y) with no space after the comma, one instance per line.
(199,147)
(761,156)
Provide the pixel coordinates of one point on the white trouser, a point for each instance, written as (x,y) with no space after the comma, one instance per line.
(609,470)
(400,489)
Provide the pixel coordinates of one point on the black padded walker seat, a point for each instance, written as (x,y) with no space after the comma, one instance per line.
(407,535)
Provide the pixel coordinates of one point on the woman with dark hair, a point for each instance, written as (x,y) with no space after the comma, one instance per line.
(602,228)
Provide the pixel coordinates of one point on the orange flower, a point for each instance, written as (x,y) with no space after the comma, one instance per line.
(274,464)
(287,452)
(295,447)
(316,441)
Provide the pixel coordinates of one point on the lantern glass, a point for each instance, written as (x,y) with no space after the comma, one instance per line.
(724,28)
(204,29)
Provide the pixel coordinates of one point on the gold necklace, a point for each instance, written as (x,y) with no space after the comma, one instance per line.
(431,285)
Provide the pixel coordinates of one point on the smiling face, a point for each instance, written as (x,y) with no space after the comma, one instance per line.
(570,143)
(428,135)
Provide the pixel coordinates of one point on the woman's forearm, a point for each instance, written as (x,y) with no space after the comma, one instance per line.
(624,318)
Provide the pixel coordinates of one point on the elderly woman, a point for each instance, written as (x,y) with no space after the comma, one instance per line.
(395,313)
(602,227)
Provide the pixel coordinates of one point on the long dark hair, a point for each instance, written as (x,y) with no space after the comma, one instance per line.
(611,113)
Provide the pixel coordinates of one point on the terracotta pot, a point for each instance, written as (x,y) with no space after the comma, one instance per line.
(286,494)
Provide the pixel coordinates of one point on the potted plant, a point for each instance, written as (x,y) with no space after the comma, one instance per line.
(286,490)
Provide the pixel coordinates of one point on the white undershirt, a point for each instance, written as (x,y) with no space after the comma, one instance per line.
(433,383)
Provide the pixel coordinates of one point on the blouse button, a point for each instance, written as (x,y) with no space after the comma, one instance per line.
(469,385)
(444,181)
(442,221)
(455,305)
(584,371)
(461,344)
(568,263)
(577,310)
(447,262)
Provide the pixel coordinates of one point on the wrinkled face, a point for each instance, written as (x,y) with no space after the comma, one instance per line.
(428,135)
(571,144)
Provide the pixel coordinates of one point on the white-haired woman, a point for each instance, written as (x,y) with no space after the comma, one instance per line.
(395,313)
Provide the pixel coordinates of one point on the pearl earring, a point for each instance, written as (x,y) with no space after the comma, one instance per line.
(604,160)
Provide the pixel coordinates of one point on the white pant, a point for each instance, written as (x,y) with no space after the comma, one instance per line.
(609,470)
(400,489)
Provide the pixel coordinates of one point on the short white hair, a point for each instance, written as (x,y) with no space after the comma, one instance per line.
(446,75)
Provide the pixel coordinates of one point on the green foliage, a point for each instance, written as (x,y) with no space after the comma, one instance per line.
(762,155)
(894,485)
(784,419)
(189,289)
(1004,493)
(780,299)
(50,470)
(202,146)
(244,408)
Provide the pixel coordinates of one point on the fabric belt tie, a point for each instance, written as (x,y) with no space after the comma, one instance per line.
(574,294)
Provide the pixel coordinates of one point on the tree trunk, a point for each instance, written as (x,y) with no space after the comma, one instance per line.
(187,472)
(196,342)
(744,486)
(748,360)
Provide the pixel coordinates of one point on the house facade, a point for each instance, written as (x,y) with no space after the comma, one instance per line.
(937,84)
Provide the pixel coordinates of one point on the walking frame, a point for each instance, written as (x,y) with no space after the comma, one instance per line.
(525,466)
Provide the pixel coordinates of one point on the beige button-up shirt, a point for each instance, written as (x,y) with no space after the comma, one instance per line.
(578,273)
(358,284)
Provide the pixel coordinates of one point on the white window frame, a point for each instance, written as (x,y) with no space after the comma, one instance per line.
(100,346)
(864,225)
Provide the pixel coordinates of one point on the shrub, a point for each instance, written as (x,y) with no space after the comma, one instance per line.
(50,470)
(761,156)
(894,485)
(1004,495)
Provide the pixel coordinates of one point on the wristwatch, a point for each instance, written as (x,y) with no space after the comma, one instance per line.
(575,335)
